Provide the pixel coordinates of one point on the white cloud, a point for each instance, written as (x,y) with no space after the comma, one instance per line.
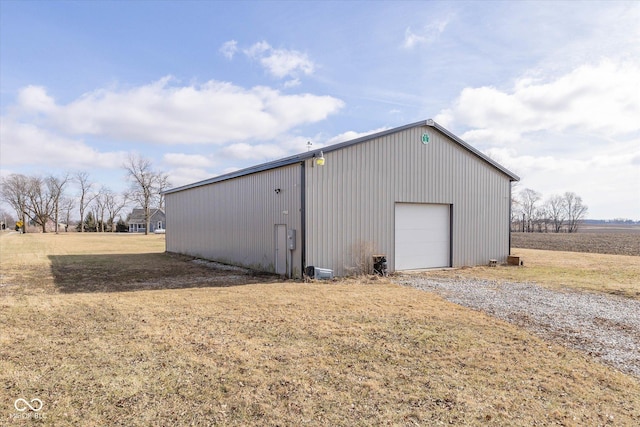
(283,63)
(280,63)
(578,131)
(292,83)
(349,135)
(598,99)
(229,49)
(257,49)
(27,144)
(260,152)
(585,34)
(187,175)
(34,99)
(161,112)
(602,176)
(425,35)
(187,160)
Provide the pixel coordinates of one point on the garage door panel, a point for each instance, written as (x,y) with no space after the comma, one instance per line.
(422,236)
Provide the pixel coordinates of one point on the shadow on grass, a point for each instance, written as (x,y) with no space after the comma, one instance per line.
(149,271)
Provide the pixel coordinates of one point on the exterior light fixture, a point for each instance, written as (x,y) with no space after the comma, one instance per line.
(320,160)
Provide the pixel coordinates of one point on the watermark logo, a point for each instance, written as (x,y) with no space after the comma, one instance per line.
(22,405)
(28,409)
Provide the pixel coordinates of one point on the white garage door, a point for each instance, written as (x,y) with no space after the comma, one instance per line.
(422,236)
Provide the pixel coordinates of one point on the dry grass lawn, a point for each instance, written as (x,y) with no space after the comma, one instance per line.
(133,347)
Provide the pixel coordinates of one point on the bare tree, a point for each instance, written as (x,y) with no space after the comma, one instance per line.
(106,201)
(164,184)
(146,184)
(85,196)
(575,210)
(529,199)
(556,209)
(100,205)
(516,209)
(543,218)
(14,191)
(56,188)
(39,201)
(114,204)
(66,206)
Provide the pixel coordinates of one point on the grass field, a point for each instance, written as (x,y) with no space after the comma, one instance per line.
(108,330)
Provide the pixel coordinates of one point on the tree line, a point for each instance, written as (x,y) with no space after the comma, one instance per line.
(45,200)
(557,213)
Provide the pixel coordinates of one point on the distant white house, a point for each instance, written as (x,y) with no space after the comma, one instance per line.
(137,223)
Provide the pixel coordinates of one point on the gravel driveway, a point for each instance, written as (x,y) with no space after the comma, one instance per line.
(604,326)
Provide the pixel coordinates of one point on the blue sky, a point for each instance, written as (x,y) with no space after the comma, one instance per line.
(549,89)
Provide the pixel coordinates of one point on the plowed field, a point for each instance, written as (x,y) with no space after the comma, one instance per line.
(614,243)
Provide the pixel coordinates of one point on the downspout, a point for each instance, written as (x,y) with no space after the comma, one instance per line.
(510,213)
(303,225)
(451,235)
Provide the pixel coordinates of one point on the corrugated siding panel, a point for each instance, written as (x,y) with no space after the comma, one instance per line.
(233,221)
(350,200)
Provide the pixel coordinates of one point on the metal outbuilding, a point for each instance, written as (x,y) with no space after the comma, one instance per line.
(416,194)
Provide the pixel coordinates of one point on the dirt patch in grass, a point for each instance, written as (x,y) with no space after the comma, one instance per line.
(74,262)
(358,352)
(615,243)
(91,273)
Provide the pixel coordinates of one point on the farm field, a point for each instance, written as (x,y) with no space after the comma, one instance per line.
(109,330)
(604,240)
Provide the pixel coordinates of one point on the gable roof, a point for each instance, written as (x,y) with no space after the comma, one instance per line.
(137,215)
(297,158)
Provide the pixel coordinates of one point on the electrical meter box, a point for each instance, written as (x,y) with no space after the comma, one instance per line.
(291,239)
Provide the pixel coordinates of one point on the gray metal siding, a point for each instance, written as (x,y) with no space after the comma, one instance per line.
(350,200)
(233,221)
